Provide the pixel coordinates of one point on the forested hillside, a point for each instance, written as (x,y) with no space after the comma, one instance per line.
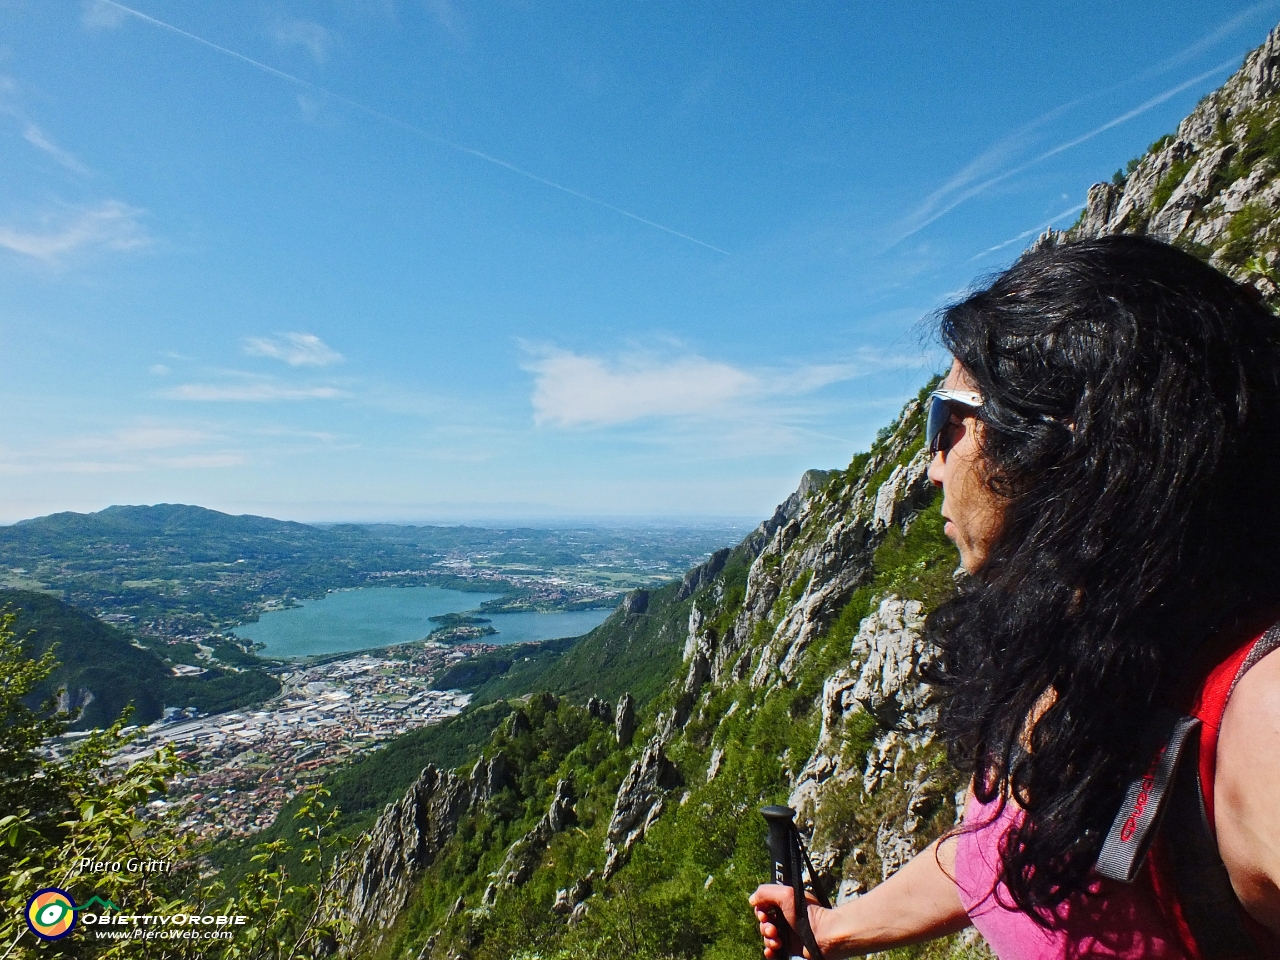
(101,670)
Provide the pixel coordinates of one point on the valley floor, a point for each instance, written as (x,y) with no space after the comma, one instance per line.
(247,765)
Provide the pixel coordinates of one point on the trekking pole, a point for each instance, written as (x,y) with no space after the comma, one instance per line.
(789,860)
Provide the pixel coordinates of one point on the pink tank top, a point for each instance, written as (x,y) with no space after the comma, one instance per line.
(1123,921)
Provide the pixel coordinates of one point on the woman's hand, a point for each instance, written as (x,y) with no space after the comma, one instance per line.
(774,902)
(917,903)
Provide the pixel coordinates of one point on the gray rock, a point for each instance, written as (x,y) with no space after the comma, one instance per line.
(892,653)
(625,720)
(490,776)
(639,804)
(884,680)
(701,575)
(403,842)
(849,890)
(635,602)
(893,848)
(713,766)
(905,491)
(562,905)
(525,854)
(600,710)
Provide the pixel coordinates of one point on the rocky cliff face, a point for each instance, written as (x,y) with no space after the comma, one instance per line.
(809,559)
(405,840)
(1213,186)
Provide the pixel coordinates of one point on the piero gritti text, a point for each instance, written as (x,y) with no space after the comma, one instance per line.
(132,865)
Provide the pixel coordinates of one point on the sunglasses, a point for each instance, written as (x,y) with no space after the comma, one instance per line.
(940,402)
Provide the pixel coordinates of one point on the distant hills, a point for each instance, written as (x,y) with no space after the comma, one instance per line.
(182,570)
(101,671)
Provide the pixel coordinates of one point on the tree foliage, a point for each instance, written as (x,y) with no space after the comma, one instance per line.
(61,808)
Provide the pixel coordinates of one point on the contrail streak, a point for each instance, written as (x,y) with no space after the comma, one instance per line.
(403,125)
(1054,151)
(1026,233)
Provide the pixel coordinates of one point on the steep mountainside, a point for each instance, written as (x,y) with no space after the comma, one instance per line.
(593,828)
(1213,186)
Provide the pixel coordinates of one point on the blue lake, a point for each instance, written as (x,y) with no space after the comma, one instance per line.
(385,616)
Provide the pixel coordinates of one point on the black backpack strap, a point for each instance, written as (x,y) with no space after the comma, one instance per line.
(1199,877)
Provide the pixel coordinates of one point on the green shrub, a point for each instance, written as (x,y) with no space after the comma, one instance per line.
(1170,181)
(1246,233)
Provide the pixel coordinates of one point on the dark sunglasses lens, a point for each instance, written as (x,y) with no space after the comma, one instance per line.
(939,414)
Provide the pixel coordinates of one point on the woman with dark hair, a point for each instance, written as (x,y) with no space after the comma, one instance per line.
(1107,442)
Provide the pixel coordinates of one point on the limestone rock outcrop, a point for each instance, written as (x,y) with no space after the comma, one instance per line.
(600,710)
(640,801)
(883,680)
(1212,187)
(624,724)
(524,855)
(635,602)
(405,840)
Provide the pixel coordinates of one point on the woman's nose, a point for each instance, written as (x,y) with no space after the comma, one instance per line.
(937,467)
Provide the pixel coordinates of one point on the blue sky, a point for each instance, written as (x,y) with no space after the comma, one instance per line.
(441,260)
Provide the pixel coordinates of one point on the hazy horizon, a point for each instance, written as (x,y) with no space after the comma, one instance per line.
(496,518)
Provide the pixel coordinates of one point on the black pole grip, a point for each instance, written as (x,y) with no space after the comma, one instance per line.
(781,822)
(784,850)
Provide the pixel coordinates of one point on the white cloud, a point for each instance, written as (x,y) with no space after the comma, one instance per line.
(312,37)
(159,370)
(309,106)
(111,225)
(573,390)
(40,140)
(295,349)
(96,15)
(250,392)
(992,166)
(447,16)
(1034,231)
(125,450)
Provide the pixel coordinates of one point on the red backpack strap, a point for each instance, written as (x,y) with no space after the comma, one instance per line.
(1210,703)
(1189,875)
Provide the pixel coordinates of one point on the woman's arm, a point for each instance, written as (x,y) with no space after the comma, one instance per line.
(1246,791)
(917,903)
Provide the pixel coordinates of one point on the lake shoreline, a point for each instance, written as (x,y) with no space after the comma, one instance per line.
(349,620)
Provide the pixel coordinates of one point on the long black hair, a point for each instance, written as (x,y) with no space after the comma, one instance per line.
(1131,428)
